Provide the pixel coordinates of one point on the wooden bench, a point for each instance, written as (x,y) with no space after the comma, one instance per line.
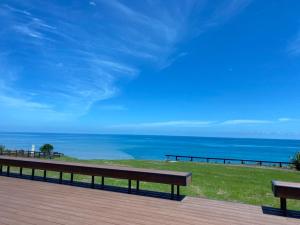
(157,176)
(284,190)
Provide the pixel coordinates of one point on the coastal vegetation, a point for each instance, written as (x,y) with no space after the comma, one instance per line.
(47,149)
(296,161)
(237,183)
(2,148)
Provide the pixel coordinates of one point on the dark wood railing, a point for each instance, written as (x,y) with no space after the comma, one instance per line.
(227,160)
(30,154)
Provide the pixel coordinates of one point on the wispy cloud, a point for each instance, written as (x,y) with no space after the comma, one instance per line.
(294,46)
(201,123)
(174,123)
(113,107)
(73,60)
(245,121)
(225,11)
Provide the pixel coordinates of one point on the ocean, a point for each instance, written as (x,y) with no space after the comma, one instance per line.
(99,146)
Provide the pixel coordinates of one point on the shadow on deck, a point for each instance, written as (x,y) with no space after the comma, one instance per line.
(278,212)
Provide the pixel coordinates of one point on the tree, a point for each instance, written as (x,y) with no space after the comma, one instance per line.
(296,160)
(47,149)
(2,148)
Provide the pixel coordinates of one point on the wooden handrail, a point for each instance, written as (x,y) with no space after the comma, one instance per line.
(226,160)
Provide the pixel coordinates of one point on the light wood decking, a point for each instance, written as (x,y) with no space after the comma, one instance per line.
(34,202)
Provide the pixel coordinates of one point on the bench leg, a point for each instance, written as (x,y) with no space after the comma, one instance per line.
(137,185)
(283,204)
(60,177)
(129,186)
(45,175)
(21,171)
(72,178)
(102,181)
(178,190)
(32,174)
(1,168)
(7,171)
(172,191)
(93,182)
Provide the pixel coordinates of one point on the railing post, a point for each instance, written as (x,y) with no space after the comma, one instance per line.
(176,157)
(280,164)
(191,159)
(1,168)
(137,185)
(21,171)
(178,190)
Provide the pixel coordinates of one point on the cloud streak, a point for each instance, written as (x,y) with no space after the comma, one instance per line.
(72,60)
(201,123)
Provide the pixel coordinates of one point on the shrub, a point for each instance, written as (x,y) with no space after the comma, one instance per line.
(47,149)
(2,148)
(296,160)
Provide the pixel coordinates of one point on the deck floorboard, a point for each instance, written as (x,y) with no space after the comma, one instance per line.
(38,203)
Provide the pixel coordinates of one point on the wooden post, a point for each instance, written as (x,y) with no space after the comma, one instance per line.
(32,174)
(60,177)
(21,171)
(129,186)
(1,168)
(283,204)
(72,178)
(7,171)
(178,190)
(137,185)
(93,182)
(45,174)
(172,191)
(102,181)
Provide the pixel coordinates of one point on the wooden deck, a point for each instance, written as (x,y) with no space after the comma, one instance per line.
(37,203)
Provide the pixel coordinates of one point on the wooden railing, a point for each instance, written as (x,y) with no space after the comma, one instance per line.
(30,154)
(227,160)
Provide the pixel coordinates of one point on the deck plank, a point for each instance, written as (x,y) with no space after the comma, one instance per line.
(34,202)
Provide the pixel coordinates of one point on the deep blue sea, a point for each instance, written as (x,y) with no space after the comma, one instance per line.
(93,146)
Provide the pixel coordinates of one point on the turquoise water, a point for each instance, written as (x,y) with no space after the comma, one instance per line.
(91,146)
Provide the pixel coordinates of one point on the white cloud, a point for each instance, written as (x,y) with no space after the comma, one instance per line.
(245,122)
(174,123)
(284,119)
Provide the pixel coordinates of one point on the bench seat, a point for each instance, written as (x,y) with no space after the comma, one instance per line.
(285,190)
(119,172)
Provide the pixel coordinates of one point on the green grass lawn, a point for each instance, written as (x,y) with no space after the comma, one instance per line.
(236,183)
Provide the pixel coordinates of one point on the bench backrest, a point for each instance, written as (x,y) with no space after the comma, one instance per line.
(119,172)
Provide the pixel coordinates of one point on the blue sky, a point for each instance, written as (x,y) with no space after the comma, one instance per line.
(191,67)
